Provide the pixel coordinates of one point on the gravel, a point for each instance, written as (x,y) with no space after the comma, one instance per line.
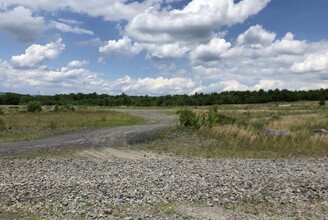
(98,137)
(143,189)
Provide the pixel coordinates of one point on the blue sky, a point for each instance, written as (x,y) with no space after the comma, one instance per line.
(158,47)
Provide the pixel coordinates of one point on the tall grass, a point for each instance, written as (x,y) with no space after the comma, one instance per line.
(235,133)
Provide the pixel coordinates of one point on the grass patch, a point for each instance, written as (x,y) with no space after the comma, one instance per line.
(20,125)
(235,133)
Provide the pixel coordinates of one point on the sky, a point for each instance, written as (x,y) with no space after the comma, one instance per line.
(160,47)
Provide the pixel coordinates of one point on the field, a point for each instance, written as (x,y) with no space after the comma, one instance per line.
(236,135)
(16,124)
(233,136)
(177,178)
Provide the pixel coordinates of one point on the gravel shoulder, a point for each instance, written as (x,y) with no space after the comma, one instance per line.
(174,188)
(100,137)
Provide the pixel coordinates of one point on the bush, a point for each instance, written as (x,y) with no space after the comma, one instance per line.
(2,125)
(322,101)
(188,118)
(34,106)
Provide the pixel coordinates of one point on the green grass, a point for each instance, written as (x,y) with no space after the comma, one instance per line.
(21,125)
(238,138)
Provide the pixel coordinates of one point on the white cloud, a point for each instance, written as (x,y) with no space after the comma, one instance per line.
(166,51)
(256,37)
(121,47)
(159,86)
(77,63)
(234,85)
(36,54)
(288,45)
(21,25)
(70,79)
(111,10)
(72,29)
(267,84)
(312,63)
(197,21)
(211,51)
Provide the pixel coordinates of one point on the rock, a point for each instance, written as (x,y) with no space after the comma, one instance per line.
(321,132)
(108,211)
(273,132)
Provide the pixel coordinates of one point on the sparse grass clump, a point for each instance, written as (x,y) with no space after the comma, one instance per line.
(2,125)
(2,111)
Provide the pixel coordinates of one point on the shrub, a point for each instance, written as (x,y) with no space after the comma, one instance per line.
(2,125)
(56,109)
(322,101)
(34,106)
(188,118)
(224,120)
(64,108)
(68,107)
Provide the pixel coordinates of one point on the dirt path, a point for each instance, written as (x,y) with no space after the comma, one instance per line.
(100,137)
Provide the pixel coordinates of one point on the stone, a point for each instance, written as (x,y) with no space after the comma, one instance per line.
(321,132)
(273,132)
(108,211)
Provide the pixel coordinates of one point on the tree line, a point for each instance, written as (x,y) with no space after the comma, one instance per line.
(198,99)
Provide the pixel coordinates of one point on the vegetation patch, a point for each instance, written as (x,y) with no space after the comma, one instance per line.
(233,132)
(23,125)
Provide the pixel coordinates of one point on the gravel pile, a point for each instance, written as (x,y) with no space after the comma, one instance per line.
(134,189)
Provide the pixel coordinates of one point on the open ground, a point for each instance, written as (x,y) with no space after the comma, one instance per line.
(151,168)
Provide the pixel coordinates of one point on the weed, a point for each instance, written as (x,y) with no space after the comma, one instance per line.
(2,125)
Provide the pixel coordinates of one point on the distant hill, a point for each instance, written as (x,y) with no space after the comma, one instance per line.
(2,93)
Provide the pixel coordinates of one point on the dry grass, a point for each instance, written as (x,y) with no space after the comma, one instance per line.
(240,139)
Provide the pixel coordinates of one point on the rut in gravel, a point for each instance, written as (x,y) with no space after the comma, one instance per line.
(99,137)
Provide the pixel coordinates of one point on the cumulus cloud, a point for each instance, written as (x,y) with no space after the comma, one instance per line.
(121,47)
(159,85)
(77,63)
(72,29)
(312,63)
(166,51)
(36,54)
(288,45)
(78,79)
(196,21)
(267,84)
(111,10)
(21,25)
(256,36)
(211,51)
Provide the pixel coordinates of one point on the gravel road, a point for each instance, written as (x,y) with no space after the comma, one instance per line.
(100,137)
